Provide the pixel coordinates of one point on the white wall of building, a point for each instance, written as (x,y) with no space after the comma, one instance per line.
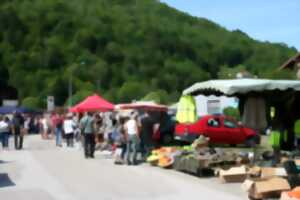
(203,103)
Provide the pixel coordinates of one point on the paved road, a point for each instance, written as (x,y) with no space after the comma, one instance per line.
(44,172)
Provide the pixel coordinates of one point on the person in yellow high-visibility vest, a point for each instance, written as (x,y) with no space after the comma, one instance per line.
(275,140)
(297,133)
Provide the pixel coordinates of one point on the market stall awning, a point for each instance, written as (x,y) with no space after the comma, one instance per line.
(93,103)
(151,106)
(241,86)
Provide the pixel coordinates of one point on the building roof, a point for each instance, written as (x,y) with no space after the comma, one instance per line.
(291,62)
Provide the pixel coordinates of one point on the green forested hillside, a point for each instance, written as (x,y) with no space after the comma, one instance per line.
(122,49)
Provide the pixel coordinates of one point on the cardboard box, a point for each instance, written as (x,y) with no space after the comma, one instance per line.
(267,172)
(255,171)
(266,188)
(233,175)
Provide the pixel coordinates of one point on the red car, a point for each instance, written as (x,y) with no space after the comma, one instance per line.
(219,128)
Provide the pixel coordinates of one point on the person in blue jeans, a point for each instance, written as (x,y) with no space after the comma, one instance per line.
(57,125)
(132,138)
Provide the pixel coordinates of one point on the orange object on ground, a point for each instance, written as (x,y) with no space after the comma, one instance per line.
(295,193)
(165,161)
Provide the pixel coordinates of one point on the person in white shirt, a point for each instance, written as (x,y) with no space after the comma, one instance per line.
(45,127)
(132,136)
(4,131)
(69,129)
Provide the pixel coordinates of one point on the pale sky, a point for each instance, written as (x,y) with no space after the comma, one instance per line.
(265,20)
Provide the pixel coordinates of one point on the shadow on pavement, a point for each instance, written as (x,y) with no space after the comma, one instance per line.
(5,181)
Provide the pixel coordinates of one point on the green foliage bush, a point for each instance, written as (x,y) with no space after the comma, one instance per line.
(232,112)
(158,96)
(32,102)
(78,97)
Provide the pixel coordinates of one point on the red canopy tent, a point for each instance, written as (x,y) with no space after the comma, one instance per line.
(93,103)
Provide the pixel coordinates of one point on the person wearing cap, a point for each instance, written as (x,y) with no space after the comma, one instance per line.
(132,138)
(87,128)
(69,129)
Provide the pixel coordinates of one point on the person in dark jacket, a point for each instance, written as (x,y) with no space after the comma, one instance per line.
(86,125)
(147,143)
(18,125)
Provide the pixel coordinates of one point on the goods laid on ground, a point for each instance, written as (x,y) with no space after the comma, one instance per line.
(194,163)
(260,182)
(265,188)
(293,174)
(233,175)
(163,157)
(239,174)
(267,172)
(196,159)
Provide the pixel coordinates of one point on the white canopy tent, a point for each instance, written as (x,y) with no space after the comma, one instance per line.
(284,95)
(241,86)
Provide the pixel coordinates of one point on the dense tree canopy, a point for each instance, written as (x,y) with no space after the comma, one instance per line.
(122,49)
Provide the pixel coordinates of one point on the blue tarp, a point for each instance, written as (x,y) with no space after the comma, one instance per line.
(12,109)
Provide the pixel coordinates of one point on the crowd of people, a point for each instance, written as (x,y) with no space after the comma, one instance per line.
(125,136)
(17,126)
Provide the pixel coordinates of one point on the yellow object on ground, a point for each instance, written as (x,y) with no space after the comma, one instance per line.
(165,161)
(163,157)
(152,158)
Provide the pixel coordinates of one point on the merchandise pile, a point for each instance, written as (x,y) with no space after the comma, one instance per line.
(194,158)
(259,182)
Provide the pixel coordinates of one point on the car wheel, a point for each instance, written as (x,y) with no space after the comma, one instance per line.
(251,142)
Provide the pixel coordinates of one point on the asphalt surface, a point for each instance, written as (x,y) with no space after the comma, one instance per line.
(44,172)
